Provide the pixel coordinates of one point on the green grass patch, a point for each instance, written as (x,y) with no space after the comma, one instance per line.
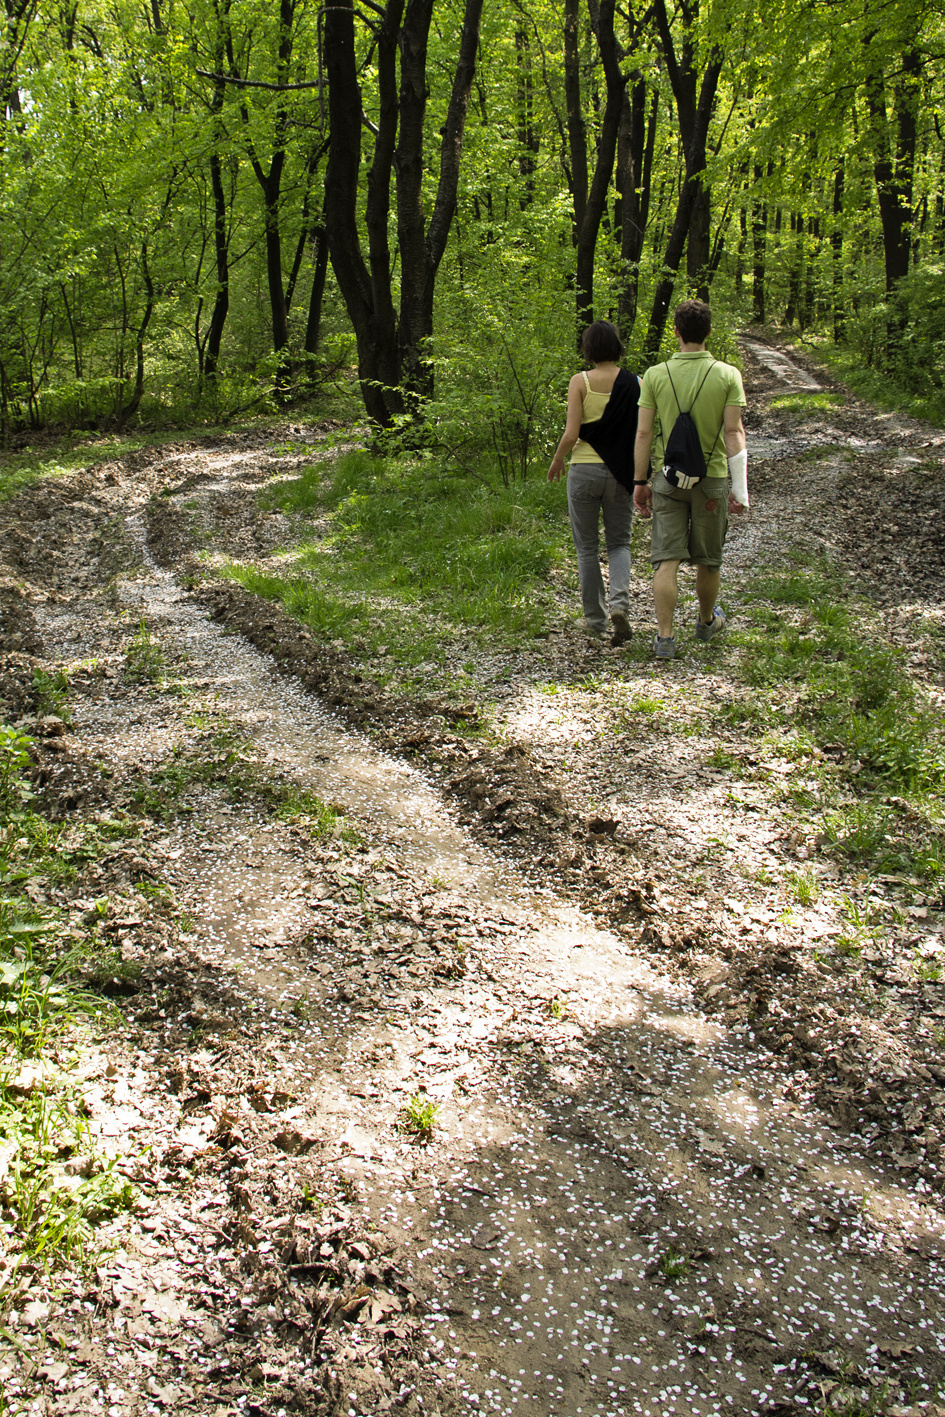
(808,403)
(408,556)
(821,452)
(879,386)
(223,756)
(852,692)
(57,1189)
(68,455)
(819,667)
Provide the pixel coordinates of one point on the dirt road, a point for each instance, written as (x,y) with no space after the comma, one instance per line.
(628,1201)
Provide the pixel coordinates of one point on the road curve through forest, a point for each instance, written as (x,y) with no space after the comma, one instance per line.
(625,1207)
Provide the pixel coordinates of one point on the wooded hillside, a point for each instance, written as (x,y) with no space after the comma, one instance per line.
(210,203)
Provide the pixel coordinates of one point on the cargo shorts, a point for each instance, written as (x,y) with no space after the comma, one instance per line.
(689,526)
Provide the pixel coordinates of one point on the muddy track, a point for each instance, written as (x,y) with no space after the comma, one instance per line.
(631,1200)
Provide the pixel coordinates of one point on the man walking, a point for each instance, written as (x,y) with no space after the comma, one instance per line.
(690,524)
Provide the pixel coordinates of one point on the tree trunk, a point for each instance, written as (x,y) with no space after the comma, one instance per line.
(589,227)
(742,243)
(813,247)
(528,139)
(635,145)
(16,20)
(221,246)
(694,114)
(271,186)
(698,246)
(577,133)
(316,298)
(392,353)
(422,246)
(365,290)
(221,242)
(792,310)
(124,410)
(759,239)
(893,170)
(836,244)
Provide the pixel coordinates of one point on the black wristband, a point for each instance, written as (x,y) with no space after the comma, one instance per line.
(644,483)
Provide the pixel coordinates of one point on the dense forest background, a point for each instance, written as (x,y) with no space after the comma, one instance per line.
(213,204)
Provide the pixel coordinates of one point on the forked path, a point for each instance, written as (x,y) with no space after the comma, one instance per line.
(623,1207)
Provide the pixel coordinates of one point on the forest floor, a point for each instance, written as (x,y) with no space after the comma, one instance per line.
(549,1049)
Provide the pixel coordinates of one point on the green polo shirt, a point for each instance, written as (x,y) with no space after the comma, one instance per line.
(723,386)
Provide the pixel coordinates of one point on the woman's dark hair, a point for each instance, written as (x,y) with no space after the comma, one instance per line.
(694,321)
(601,341)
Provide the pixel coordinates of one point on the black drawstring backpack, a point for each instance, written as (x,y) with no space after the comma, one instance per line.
(684,463)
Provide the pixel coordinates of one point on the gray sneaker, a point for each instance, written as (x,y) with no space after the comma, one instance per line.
(708,632)
(664,646)
(620,621)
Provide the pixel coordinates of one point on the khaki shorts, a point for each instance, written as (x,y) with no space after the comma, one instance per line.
(689,526)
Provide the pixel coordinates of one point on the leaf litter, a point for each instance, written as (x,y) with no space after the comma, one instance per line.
(639,1193)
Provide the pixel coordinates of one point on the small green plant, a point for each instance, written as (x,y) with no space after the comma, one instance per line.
(557,1008)
(15,763)
(56,1223)
(321,819)
(716,843)
(860,830)
(673,1263)
(849,946)
(309,1201)
(804,886)
(418,1116)
(645,705)
(51,692)
(145,661)
(930,970)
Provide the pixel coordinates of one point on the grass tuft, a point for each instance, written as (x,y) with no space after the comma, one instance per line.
(418,1116)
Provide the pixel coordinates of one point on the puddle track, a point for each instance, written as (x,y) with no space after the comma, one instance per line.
(637,1132)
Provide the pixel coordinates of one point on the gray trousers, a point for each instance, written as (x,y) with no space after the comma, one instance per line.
(593,489)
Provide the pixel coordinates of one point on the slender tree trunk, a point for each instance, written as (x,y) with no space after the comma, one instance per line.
(694,103)
(127,410)
(577,133)
(589,228)
(421,245)
(317,295)
(813,246)
(836,244)
(528,139)
(221,248)
(271,187)
(759,239)
(76,356)
(635,146)
(15,21)
(742,243)
(699,243)
(794,275)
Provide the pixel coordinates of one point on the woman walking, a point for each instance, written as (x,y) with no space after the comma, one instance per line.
(599,434)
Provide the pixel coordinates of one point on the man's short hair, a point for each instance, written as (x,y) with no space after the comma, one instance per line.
(601,341)
(694,321)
